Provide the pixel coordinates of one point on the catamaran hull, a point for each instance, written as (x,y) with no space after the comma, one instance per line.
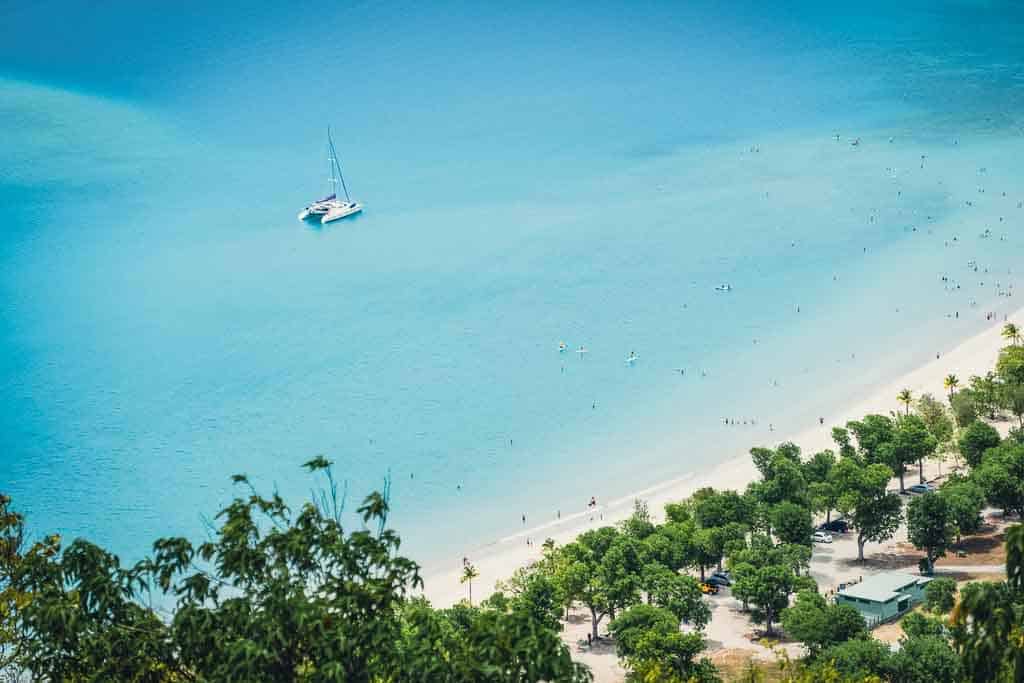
(341,212)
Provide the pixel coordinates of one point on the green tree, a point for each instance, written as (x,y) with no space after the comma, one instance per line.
(818,625)
(469,572)
(950,383)
(678,593)
(648,639)
(874,434)
(859,659)
(925,659)
(930,526)
(977,438)
(1001,476)
(783,480)
(936,418)
(822,493)
(906,398)
(679,512)
(534,590)
(710,545)
(580,575)
(984,391)
(940,595)
(1012,399)
(639,524)
(671,545)
(792,523)
(966,499)
(841,437)
(874,512)
(1010,365)
(917,624)
(767,588)
(911,442)
(713,508)
(1011,333)
(964,408)
(796,556)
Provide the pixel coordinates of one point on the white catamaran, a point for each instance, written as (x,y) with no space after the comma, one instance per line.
(330,208)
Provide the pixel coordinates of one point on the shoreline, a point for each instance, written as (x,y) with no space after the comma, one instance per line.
(500,558)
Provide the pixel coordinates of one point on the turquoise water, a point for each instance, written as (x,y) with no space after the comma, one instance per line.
(532,174)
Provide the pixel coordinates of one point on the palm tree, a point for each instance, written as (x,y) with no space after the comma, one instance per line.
(950,383)
(1012,333)
(906,398)
(469,572)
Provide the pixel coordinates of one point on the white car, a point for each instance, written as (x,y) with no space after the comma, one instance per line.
(821,537)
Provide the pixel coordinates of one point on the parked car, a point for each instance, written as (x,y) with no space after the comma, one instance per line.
(708,588)
(921,488)
(840,526)
(821,537)
(723,578)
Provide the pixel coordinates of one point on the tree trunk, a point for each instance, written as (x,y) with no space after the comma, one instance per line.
(860,548)
(702,572)
(920,469)
(828,515)
(768,622)
(902,489)
(594,621)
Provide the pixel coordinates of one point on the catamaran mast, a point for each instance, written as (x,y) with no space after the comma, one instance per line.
(336,163)
(330,162)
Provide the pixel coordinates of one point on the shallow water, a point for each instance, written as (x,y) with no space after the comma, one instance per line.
(531,175)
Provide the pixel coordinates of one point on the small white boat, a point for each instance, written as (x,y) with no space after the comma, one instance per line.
(724,287)
(330,208)
(562,347)
(581,350)
(632,358)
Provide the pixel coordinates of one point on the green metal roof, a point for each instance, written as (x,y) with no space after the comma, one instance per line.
(883,587)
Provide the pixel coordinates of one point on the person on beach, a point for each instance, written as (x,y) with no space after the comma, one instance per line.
(524,518)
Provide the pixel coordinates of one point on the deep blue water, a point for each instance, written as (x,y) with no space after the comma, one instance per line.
(532,174)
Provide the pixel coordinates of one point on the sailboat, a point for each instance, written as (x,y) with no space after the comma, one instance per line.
(331,208)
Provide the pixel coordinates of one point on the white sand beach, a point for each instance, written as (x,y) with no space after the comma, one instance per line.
(498,560)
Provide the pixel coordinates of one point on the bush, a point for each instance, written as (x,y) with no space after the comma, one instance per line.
(925,659)
(857,659)
(940,595)
(917,624)
(818,625)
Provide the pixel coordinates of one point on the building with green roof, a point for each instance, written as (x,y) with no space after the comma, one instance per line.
(884,596)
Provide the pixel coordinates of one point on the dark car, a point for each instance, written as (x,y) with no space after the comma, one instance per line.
(717,580)
(723,577)
(836,526)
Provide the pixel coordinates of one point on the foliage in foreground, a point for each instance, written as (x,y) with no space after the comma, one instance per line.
(274,596)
